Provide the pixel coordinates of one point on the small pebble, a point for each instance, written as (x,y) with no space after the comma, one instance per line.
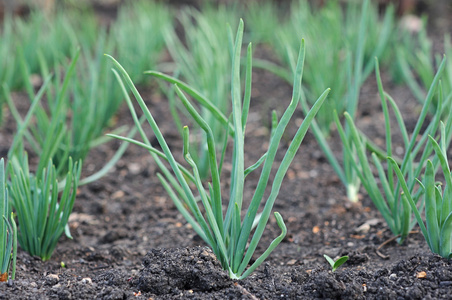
(87,280)
(134,168)
(445,283)
(52,279)
(363,228)
(421,274)
(313,173)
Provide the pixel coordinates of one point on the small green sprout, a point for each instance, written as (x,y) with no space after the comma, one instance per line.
(437,229)
(336,264)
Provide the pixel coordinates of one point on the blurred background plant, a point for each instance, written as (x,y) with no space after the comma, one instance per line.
(138,34)
(343,69)
(416,64)
(77,97)
(203,62)
(342,57)
(49,136)
(37,40)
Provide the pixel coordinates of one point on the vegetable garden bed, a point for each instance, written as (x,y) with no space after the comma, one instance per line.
(130,241)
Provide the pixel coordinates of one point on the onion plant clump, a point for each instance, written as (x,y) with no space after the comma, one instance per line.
(73,116)
(354,33)
(393,206)
(42,38)
(263,17)
(8,231)
(344,71)
(437,229)
(28,43)
(226,233)
(6,61)
(76,101)
(42,208)
(46,131)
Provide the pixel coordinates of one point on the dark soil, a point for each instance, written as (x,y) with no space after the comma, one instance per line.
(130,242)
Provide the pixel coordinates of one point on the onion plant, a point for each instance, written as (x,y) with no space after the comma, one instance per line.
(226,233)
(8,231)
(76,111)
(394,208)
(415,52)
(263,17)
(345,42)
(203,62)
(344,71)
(49,137)
(417,63)
(61,130)
(95,99)
(6,60)
(69,114)
(438,202)
(42,211)
(40,37)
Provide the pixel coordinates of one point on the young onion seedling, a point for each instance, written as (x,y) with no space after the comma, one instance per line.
(226,233)
(437,230)
(395,209)
(42,212)
(344,71)
(335,264)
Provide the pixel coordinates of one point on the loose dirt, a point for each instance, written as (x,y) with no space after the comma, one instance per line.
(130,242)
